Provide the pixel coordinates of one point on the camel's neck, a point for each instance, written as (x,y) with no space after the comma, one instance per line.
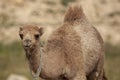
(33,56)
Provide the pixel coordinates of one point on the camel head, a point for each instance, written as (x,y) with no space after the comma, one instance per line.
(30,36)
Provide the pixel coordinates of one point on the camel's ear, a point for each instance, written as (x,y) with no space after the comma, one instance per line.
(21,28)
(41,31)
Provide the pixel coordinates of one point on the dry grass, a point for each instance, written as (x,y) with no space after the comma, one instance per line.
(12,60)
(112,64)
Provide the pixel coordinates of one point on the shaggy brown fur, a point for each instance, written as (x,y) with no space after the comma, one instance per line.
(74,51)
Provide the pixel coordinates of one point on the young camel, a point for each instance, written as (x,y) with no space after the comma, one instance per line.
(74,51)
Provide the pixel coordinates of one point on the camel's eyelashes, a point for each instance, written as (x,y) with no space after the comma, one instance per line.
(36,36)
(21,36)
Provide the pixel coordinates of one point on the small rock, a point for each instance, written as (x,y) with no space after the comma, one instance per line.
(16,77)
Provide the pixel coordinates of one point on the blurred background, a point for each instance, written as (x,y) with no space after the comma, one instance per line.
(103,14)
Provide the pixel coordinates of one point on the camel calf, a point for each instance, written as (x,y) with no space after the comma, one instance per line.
(74,51)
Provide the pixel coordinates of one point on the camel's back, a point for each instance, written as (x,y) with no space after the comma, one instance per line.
(91,43)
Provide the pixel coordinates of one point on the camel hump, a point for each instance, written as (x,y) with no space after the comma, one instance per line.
(73,14)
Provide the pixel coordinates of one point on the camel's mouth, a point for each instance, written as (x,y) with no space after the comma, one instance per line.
(27,46)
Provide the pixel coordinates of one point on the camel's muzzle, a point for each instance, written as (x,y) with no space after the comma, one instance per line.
(27,43)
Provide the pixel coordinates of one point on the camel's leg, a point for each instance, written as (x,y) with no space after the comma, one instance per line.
(98,72)
(79,77)
(96,75)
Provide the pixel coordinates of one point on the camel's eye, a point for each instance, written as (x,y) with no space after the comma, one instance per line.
(36,36)
(21,36)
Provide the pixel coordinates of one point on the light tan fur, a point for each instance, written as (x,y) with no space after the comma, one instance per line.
(31,45)
(74,51)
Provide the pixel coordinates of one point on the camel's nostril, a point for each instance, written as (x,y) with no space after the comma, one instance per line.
(27,40)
